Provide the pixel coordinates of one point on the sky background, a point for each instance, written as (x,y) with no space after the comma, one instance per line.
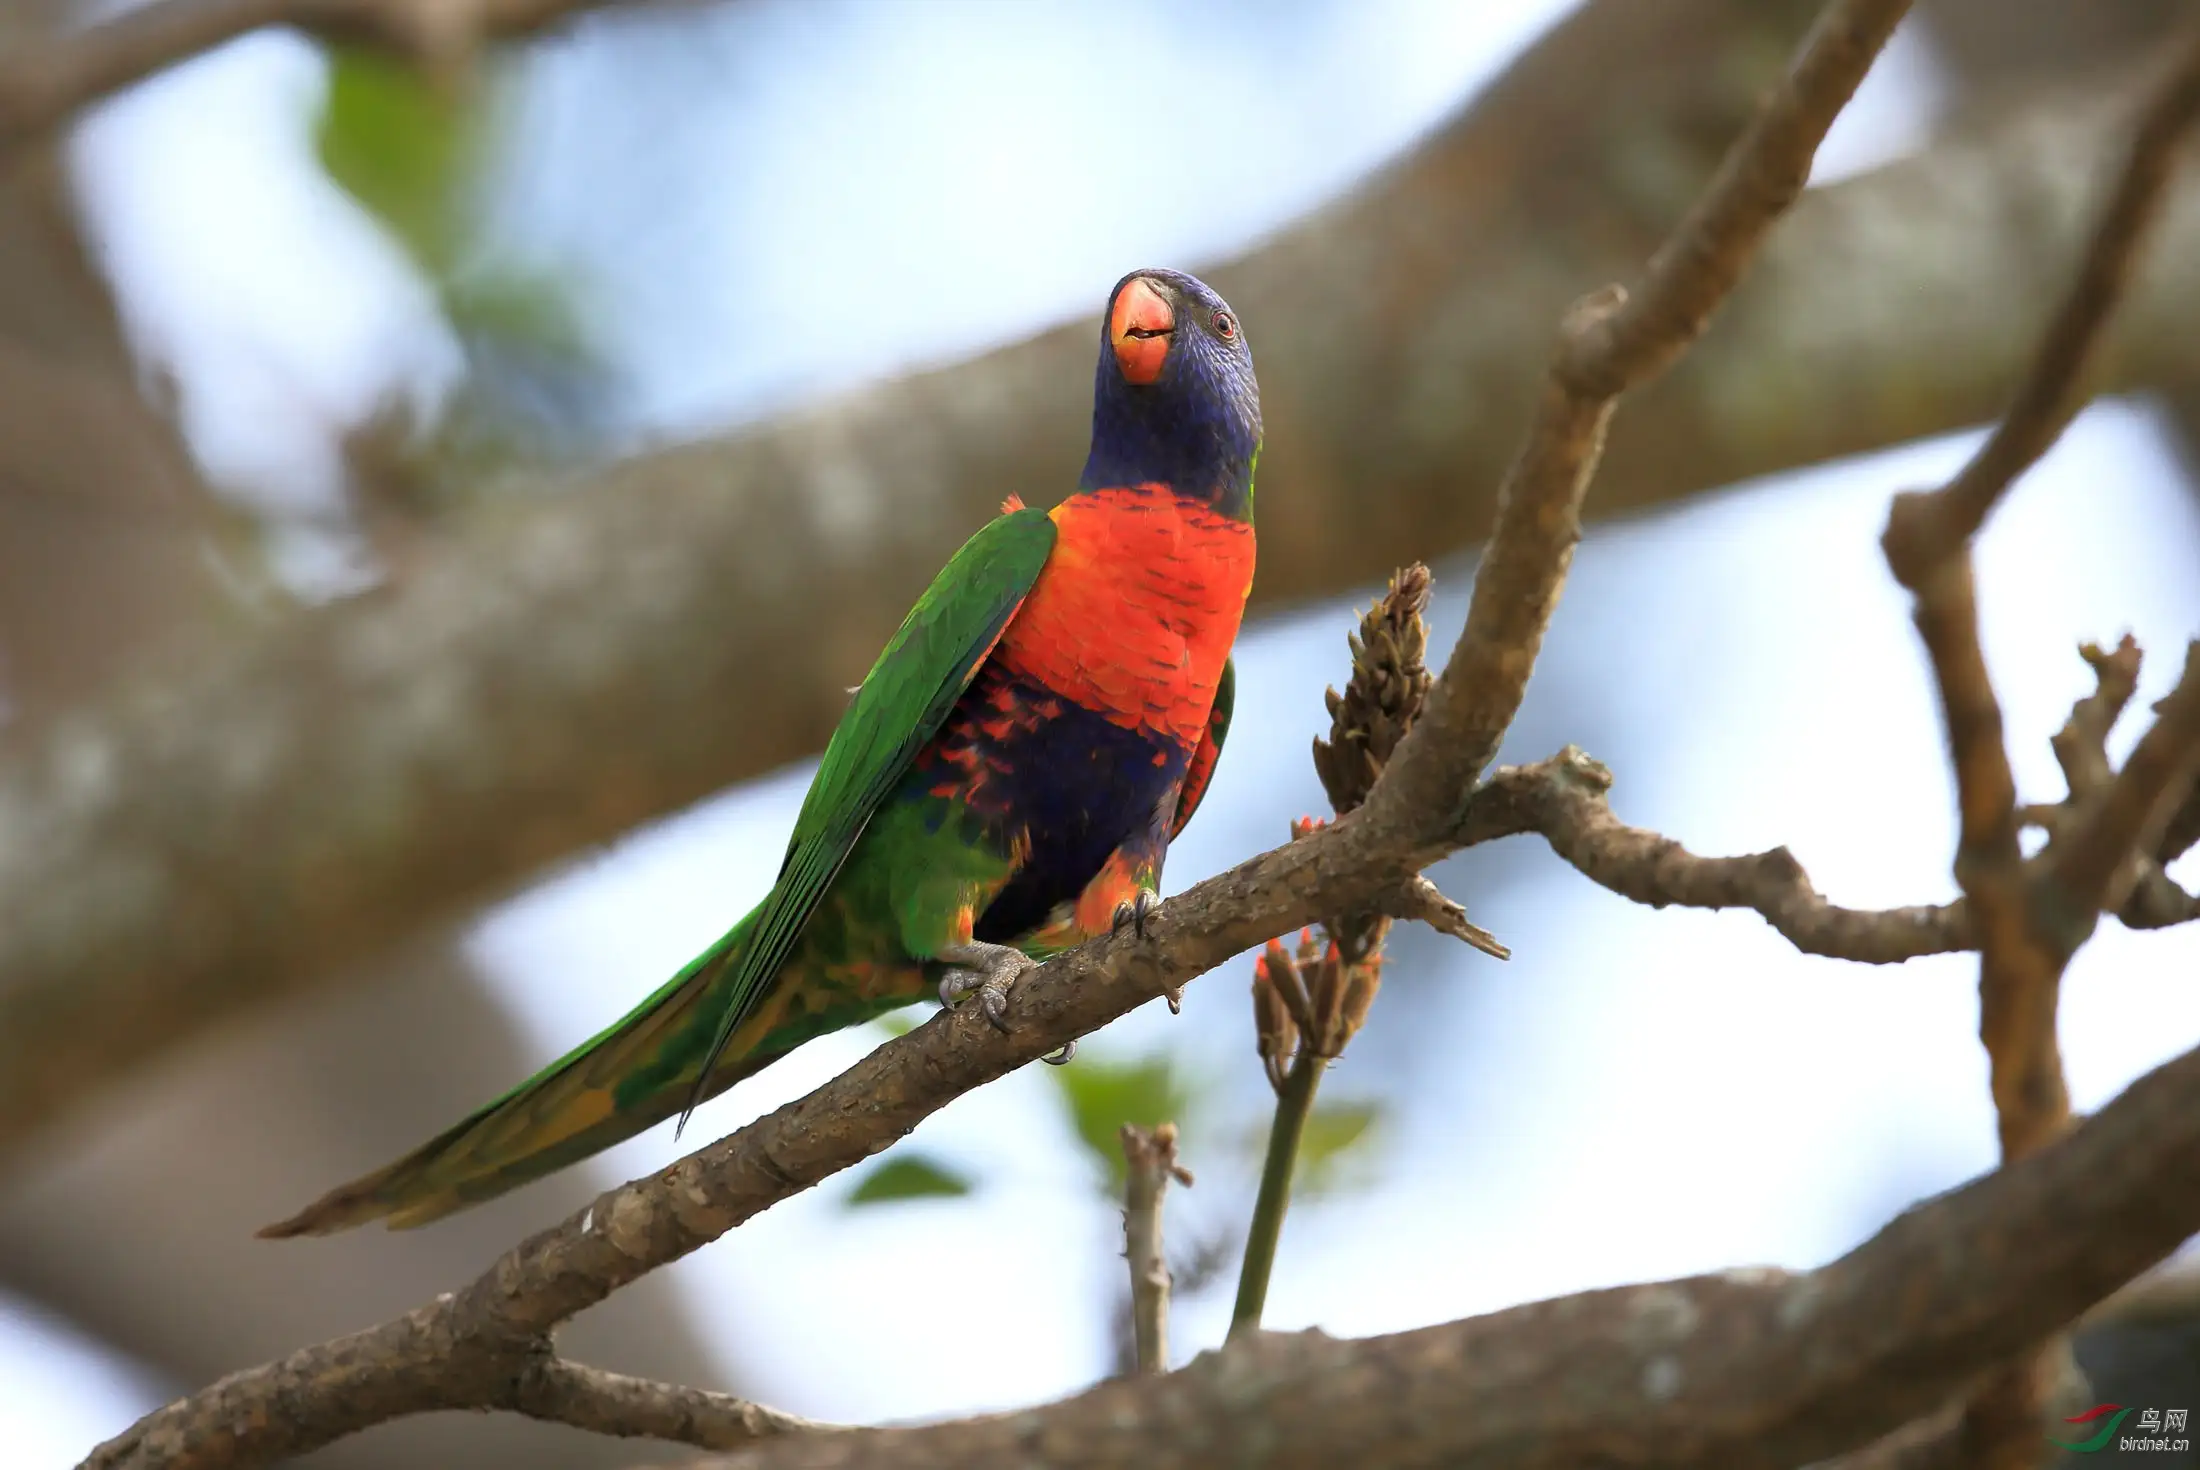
(754,201)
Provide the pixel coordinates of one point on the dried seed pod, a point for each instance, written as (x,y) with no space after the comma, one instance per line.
(1326,1035)
(1390,681)
(1275,1034)
(1361,981)
(1287,974)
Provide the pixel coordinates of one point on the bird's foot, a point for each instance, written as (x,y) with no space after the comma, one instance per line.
(1132,914)
(989,970)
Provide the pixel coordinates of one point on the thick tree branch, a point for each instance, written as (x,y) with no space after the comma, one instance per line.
(445,1353)
(1738,1371)
(346,1394)
(42,85)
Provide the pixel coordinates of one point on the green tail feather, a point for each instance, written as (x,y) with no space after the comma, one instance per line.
(634,1074)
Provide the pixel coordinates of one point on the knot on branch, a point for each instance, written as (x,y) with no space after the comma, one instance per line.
(1588,360)
(1575,766)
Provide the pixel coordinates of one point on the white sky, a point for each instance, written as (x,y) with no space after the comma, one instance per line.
(1635,1095)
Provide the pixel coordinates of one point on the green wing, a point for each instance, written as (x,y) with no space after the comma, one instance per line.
(899,706)
(1201,772)
(633,1073)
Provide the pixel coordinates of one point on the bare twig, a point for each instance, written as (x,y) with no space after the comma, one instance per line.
(2081,746)
(2142,895)
(2095,864)
(1423,901)
(43,84)
(1149,1157)
(564,1392)
(1563,799)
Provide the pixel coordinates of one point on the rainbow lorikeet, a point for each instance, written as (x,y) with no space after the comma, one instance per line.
(1004,783)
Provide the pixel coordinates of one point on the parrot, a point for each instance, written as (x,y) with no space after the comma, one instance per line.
(1003,785)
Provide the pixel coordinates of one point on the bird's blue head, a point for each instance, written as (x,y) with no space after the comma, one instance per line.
(1175,401)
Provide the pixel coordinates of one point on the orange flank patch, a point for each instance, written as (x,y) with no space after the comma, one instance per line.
(1134,614)
(1116,884)
(1013,504)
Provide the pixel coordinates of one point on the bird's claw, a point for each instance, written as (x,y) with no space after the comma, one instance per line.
(987,969)
(1061,1058)
(1132,913)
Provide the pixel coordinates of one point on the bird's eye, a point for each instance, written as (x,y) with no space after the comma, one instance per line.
(1225,325)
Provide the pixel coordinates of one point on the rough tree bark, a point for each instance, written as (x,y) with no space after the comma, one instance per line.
(1997,48)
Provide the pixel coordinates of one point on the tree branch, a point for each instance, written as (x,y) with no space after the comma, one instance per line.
(564,1392)
(1747,1370)
(2142,895)
(452,1351)
(1563,799)
(2096,863)
(1609,343)
(345,1394)
(1927,542)
(2029,929)
(1149,1158)
(44,84)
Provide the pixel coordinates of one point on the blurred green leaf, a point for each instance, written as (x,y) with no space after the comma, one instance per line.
(1103,1096)
(402,147)
(908,1176)
(1332,1155)
(535,310)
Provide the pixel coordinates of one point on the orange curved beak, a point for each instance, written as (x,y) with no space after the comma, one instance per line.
(1139,327)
